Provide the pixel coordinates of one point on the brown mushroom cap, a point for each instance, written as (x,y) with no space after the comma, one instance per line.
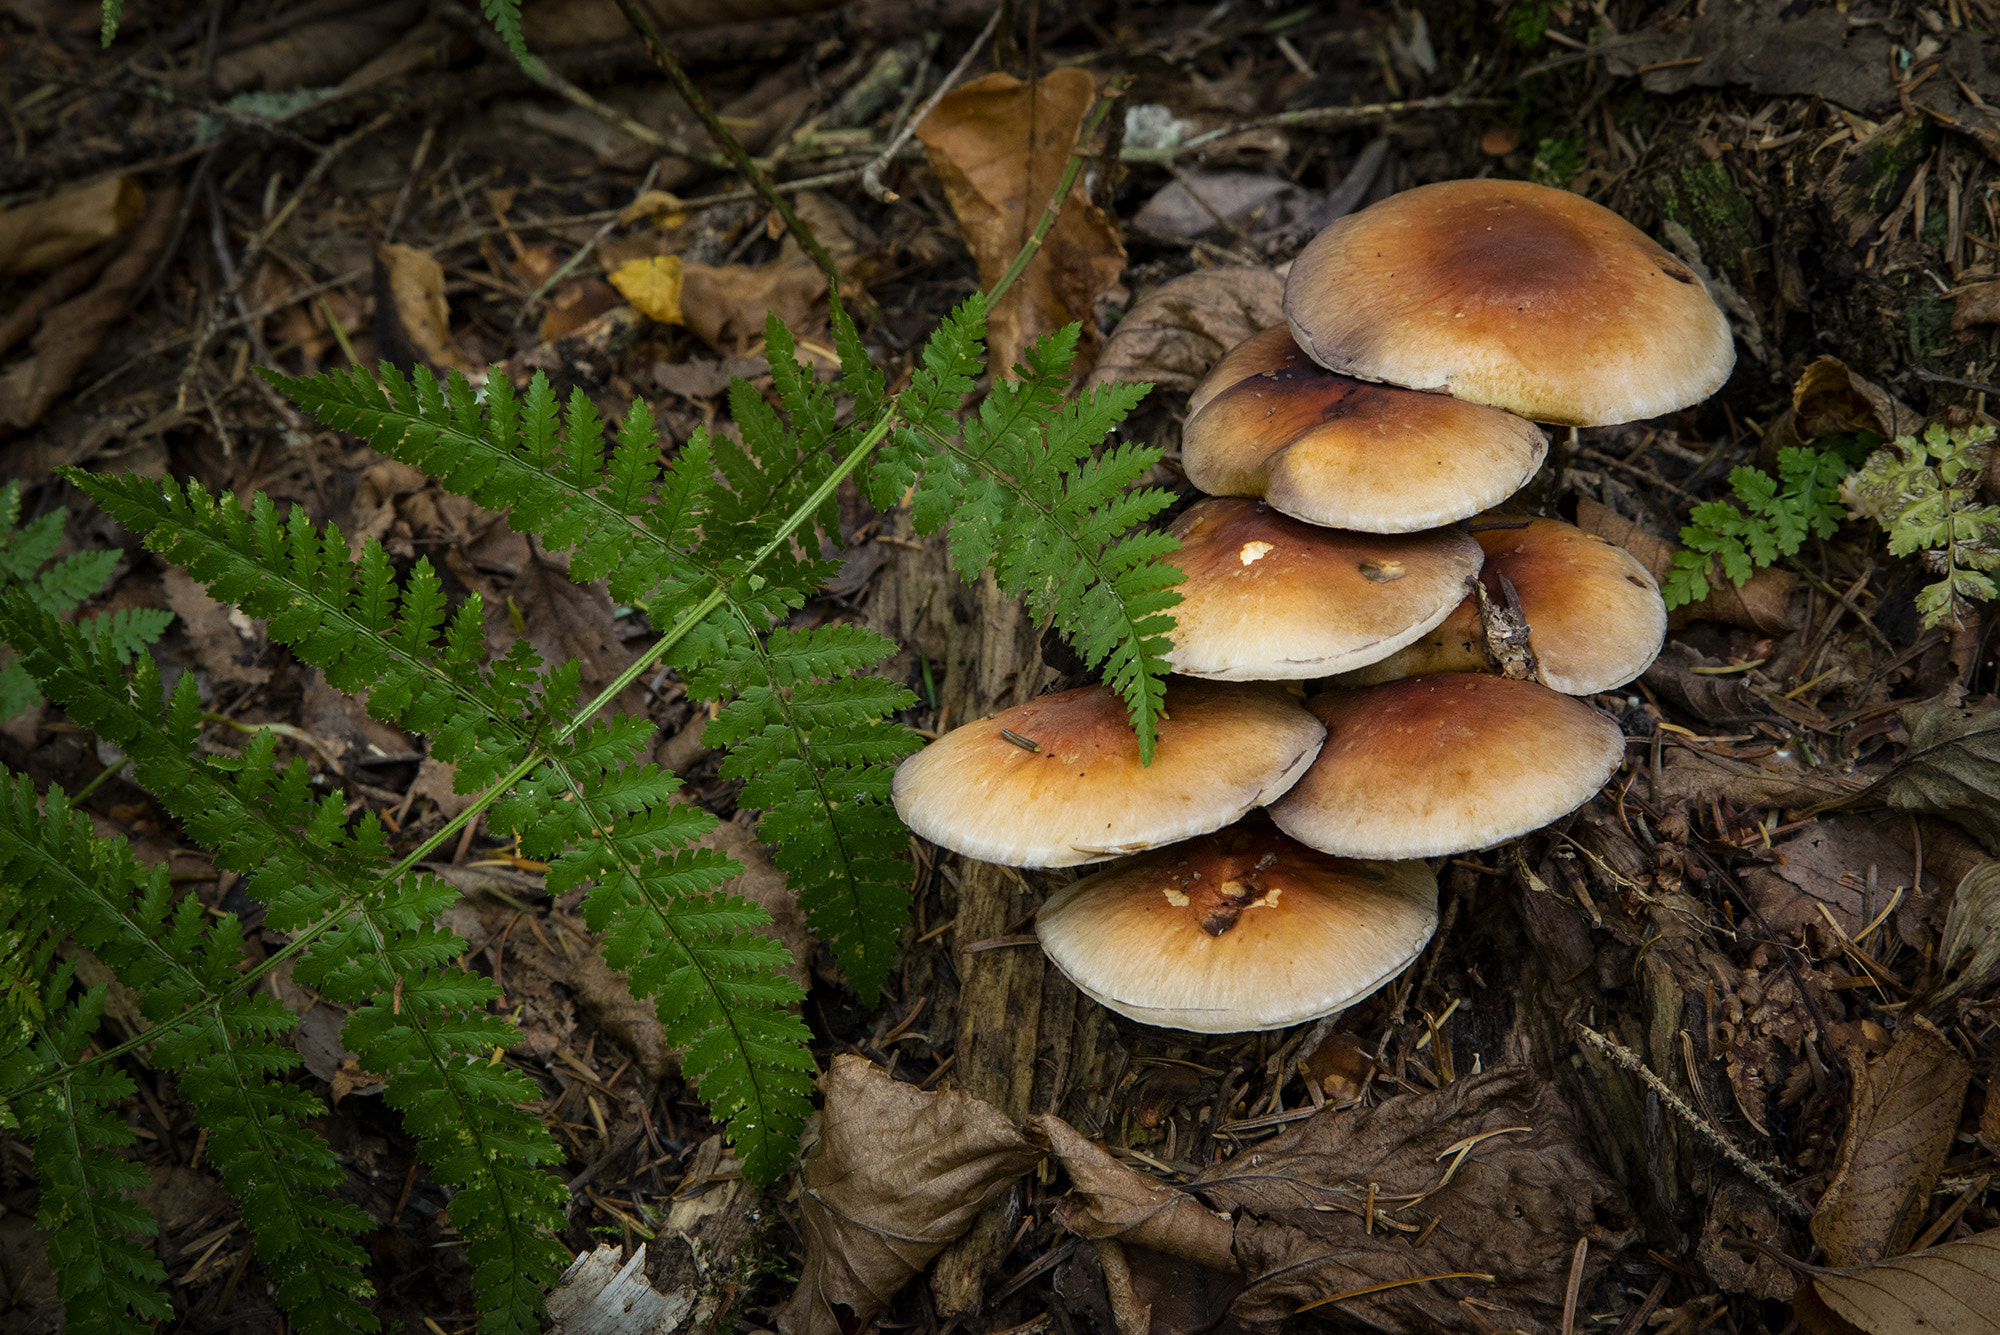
(1595,616)
(1344,453)
(1057,781)
(1531,299)
(1441,764)
(1237,931)
(1268,598)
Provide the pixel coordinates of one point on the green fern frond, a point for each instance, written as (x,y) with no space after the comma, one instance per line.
(25,562)
(1775,517)
(666,538)
(368,940)
(227,1056)
(1018,488)
(348,618)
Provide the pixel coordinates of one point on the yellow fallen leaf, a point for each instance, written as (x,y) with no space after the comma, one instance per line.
(653,286)
(660,207)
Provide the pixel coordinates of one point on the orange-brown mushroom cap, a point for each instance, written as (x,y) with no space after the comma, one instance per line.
(1344,453)
(1594,614)
(1524,297)
(1238,931)
(1057,781)
(1269,598)
(1440,764)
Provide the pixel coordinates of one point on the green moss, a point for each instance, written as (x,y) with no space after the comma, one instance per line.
(1928,319)
(1700,196)
(1557,158)
(1525,22)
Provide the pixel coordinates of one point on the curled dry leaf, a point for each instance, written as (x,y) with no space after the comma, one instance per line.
(58,229)
(1109,1200)
(1948,1290)
(897,1173)
(725,303)
(1971,944)
(1178,331)
(999,148)
(1951,769)
(1906,1107)
(1488,1171)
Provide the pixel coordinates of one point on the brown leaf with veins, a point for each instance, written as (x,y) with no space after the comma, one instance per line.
(999,148)
(897,1174)
(1488,1171)
(1179,331)
(1109,1200)
(1905,1112)
(1949,1290)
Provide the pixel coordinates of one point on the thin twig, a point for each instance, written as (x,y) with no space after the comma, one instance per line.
(583,252)
(1749,1167)
(656,46)
(871,175)
(1318,118)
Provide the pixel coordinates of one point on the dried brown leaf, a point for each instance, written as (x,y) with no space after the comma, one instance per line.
(1905,1111)
(1948,1290)
(1180,330)
(1971,944)
(227,644)
(1109,1200)
(1952,767)
(725,303)
(60,228)
(1493,1159)
(1692,778)
(410,308)
(897,1174)
(72,332)
(999,148)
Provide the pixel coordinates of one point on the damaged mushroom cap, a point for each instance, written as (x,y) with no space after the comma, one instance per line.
(1521,296)
(1441,764)
(1057,781)
(1344,453)
(1594,614)
(1238,931)
(1269,598)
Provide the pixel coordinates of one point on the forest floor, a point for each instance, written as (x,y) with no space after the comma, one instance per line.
(1754,912)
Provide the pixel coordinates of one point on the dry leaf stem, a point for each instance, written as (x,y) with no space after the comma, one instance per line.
(1749,1167)
(656,46)
(1310,118)
(871,175)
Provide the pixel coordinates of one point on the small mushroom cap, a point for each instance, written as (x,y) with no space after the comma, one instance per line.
(1057,782)
(1344,453)
(1237,931)
(1268,598)
(1528,298)
(1440,764)
(1595,616)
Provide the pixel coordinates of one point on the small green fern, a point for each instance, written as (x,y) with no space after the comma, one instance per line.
(58,587)
(718,546)
(1924,492)
(1774,519)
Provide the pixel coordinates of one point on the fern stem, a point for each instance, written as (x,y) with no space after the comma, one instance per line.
(1033,245)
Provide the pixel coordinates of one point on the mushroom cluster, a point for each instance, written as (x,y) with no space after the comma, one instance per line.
(1354,461)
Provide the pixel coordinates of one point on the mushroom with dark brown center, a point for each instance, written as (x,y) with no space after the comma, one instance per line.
(1241,930)
(1524,297)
